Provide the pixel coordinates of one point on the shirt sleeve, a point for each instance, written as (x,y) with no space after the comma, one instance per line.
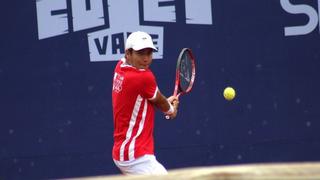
(150,87)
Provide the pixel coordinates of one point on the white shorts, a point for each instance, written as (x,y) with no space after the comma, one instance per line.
(144,165)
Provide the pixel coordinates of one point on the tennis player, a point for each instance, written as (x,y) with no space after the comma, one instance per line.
(135,94)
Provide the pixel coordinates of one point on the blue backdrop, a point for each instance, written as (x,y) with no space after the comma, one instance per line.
(55,92)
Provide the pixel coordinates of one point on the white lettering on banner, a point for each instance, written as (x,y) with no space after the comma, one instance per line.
(152,9)
(87,14)
(109,44)
(192,12)
(52,20)
(112,45)
(124,17)
(300,9)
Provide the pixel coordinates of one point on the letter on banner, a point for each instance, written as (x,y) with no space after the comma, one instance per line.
(52,18)
(87,14)
(154,12)
(109,44)
(193,9)
(300,9)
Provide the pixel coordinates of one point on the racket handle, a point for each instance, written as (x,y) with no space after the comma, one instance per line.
(167,117)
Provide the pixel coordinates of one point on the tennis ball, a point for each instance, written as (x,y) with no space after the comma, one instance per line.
(229,93)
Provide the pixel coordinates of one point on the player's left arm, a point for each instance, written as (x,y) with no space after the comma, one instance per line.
(167,105)
(151,91)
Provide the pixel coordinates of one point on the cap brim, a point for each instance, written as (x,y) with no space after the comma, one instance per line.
(137,48)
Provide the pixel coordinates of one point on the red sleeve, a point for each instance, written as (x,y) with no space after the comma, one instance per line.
(150,87)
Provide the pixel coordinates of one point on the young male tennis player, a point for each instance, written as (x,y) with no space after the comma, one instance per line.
(135,94)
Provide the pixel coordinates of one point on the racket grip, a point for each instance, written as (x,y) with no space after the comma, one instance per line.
(167,117)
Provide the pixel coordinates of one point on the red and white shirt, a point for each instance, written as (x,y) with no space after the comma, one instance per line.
(133,113)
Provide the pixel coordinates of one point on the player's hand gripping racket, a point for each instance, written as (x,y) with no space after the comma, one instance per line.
(185,73)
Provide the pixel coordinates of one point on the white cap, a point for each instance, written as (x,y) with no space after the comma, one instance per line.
(139,40)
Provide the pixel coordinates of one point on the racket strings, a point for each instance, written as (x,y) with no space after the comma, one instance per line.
(186,71)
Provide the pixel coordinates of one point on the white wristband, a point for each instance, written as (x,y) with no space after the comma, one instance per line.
(171,110)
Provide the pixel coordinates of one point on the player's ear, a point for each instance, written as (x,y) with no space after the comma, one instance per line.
(128,52)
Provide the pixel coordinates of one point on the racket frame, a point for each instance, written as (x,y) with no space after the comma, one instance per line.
(177,88)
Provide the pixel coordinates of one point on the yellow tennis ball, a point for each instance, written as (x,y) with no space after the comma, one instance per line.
(229,93)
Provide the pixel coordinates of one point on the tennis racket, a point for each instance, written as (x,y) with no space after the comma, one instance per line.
(185,73)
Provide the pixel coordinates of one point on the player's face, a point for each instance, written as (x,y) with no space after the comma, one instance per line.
(142,58)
